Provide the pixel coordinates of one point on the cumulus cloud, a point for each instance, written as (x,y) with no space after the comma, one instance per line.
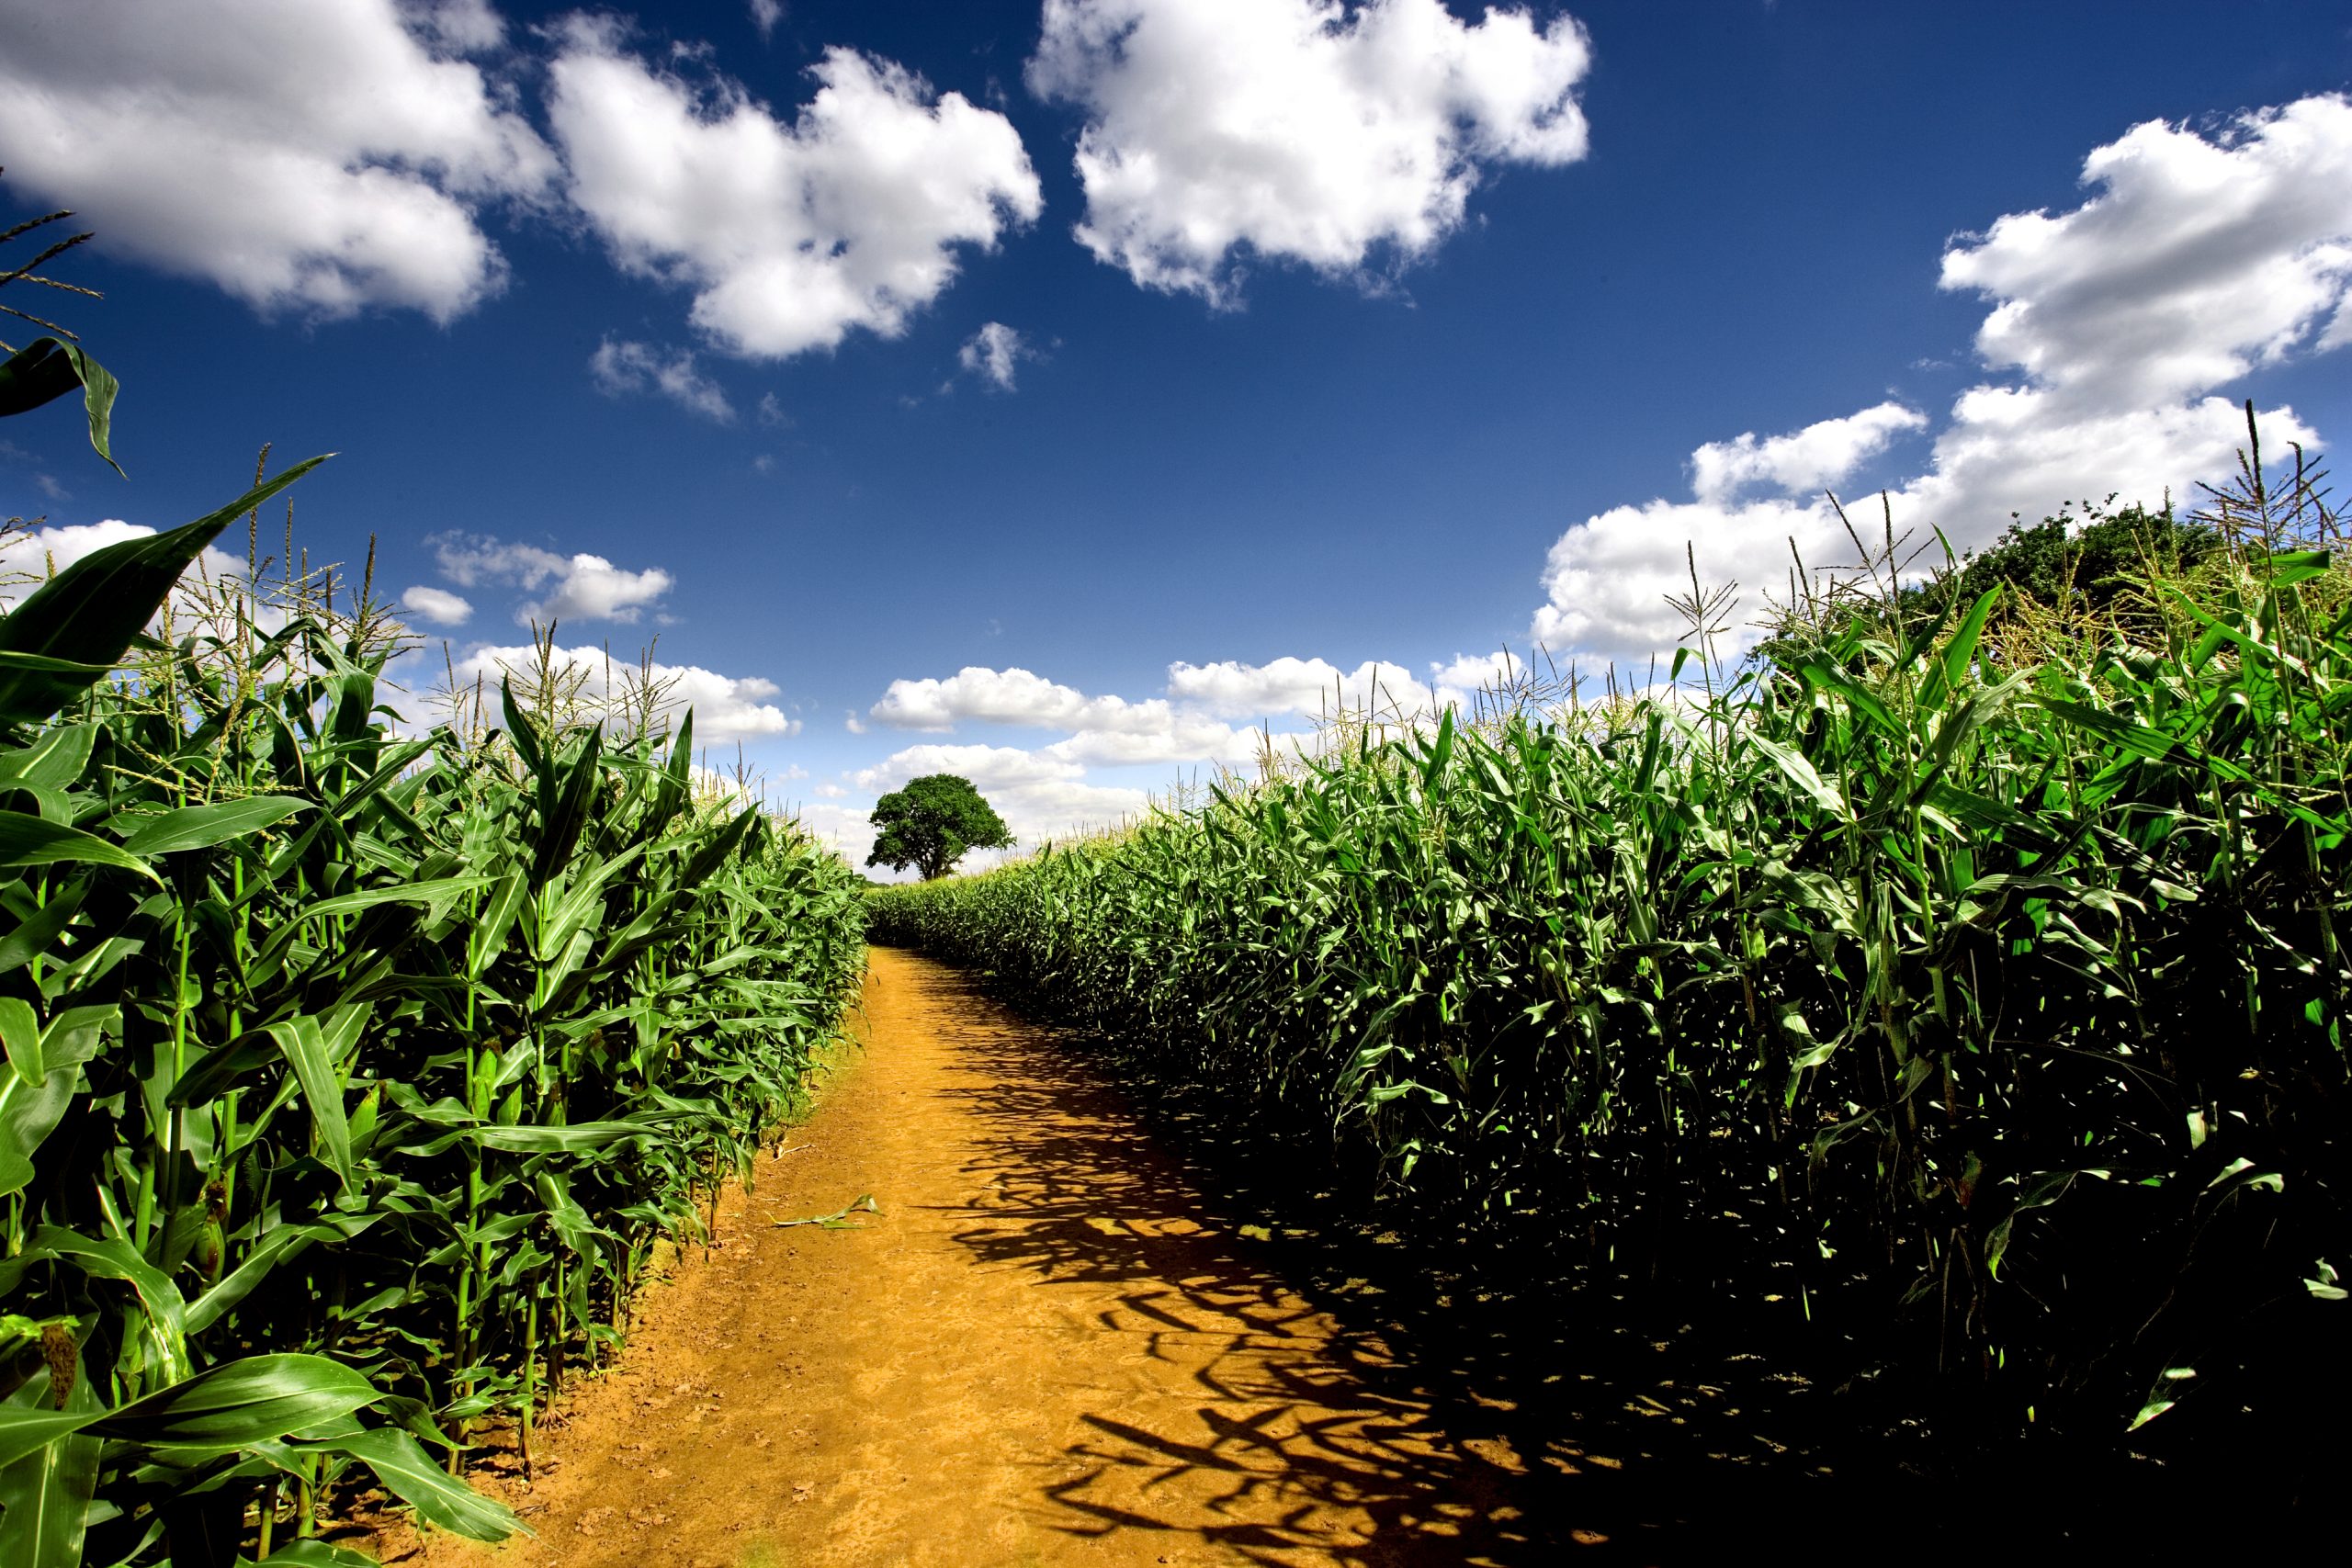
(1818,456)
(1230,688)
(2194,260)
(1301,131)
(302,156)
(625,367)
(1607,580)
(1107,731)
(2197,259)
(765,15)
(993,353)
(725,707)
(438,605)
(791,234)
(841,828)
(576,587)
(1017,697)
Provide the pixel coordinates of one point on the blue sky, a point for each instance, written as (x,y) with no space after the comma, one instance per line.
(1401,357)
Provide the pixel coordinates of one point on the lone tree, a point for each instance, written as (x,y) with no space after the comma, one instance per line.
(931,823)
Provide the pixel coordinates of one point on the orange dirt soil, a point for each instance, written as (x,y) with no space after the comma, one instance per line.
(1039,1351)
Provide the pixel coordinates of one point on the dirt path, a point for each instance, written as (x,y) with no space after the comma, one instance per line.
(1038,1352)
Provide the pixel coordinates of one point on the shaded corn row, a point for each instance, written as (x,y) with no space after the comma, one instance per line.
(1995,1013)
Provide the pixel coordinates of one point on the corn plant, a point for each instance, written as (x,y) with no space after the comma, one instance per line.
(1991,1011)
(352,1071)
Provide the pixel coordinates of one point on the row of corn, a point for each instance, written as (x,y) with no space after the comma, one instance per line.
(1987,1008)
(354,1070)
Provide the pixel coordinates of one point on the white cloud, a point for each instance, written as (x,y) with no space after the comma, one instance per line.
(772,412)
(986,766)
(765,15)
(1299,130)
(581,587)
(302,156)
(1048,791)
(1111,731)
(791,234)
(1288,685)
(438,605)
(1817,456)
(843,828)
(1184,739)
(2194,261)
(993,353)
(1018,697)
(725,707)
(1607,580)
(625,367)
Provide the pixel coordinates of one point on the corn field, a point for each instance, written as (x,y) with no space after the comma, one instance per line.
(353,1071)
(1988,1009)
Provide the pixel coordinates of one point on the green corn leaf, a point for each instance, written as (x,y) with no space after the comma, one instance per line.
(46,370)
(436,895)
(579,1137)
(560,826)
(571,1223)
(440,1499)
(46,1494)
(1859,698)
(112,1258)
(54,760)
(487,936)
(520,733)
(240,1403)
(201,826)
(306,1050)
(88,613)
(1961,650)
(2290,566)
(312,1553)
(40,931)
(31,1104)
(20,1031)
(279,1246)
(2137,739)
(26,840)
(1803,774)
(25,1432)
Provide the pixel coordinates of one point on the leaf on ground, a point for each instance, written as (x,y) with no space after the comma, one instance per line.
(839,1219)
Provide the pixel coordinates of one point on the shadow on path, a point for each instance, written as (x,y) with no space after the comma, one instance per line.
(1475,1410)
(1309,1438)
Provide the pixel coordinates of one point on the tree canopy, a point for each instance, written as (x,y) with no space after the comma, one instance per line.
(2065,569)
(931,823)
